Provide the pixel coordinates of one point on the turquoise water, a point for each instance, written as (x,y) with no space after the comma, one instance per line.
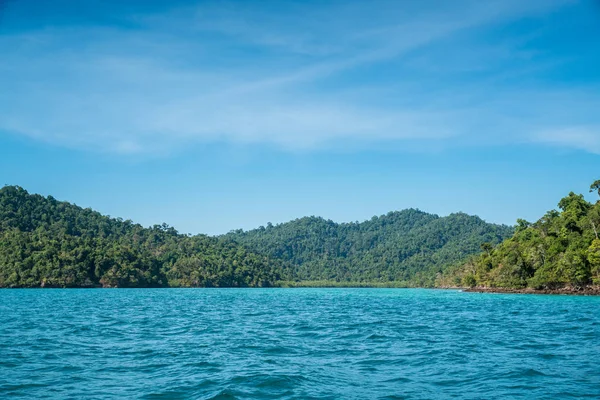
(297,343)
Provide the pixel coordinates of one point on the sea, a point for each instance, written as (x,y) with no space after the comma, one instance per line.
(297,344)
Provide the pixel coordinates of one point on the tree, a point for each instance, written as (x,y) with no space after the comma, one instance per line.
(594,216)
(593,257)
(487,247)
(469,281)
(522,224)
(595,187)
(574,207)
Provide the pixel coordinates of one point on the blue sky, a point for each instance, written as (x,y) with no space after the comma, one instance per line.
(217,115)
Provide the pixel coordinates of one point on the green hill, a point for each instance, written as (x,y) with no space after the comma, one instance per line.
(44,242)
(408,247)
(49,243)
(560,250)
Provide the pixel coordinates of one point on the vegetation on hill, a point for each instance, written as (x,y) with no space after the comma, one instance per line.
(405,248)
(47,243)
(560,250)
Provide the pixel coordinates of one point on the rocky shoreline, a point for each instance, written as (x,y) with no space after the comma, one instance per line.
(579,291)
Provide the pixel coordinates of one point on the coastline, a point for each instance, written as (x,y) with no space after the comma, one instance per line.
(572,291)
(576,291)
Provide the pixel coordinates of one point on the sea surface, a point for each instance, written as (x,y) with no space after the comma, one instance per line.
(297,344)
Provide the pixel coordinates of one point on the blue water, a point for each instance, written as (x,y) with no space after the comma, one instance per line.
(296,344)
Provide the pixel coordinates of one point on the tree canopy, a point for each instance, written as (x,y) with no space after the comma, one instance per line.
(44,242)
(561,249)
(49,243)
(407,247)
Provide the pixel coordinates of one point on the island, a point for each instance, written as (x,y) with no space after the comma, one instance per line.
(46,243)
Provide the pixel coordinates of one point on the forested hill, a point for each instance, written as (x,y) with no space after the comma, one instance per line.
(44,242)
(48,243)
(561,250)
(408,247)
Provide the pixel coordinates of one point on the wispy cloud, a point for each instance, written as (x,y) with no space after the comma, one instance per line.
(241,73)
(586,138)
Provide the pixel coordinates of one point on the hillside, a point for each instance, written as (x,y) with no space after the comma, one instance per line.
(408,247)
(44,242)
(48,243)
(560,250)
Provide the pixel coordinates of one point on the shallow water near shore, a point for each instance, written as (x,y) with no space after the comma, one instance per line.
(297,343)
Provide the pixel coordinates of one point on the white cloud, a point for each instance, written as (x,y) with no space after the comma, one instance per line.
(240,75)
(586,138)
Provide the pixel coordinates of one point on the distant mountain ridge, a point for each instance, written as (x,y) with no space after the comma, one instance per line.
(49,243)
(408,246)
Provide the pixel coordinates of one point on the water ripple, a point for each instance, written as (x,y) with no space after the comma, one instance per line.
(297,344)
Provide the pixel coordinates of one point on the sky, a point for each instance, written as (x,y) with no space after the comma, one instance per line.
(219,115)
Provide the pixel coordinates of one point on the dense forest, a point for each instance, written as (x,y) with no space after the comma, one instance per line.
(49,243)
(560,250)
(407,248)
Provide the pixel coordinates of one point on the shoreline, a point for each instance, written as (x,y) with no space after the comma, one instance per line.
(567,291)
(573,291)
